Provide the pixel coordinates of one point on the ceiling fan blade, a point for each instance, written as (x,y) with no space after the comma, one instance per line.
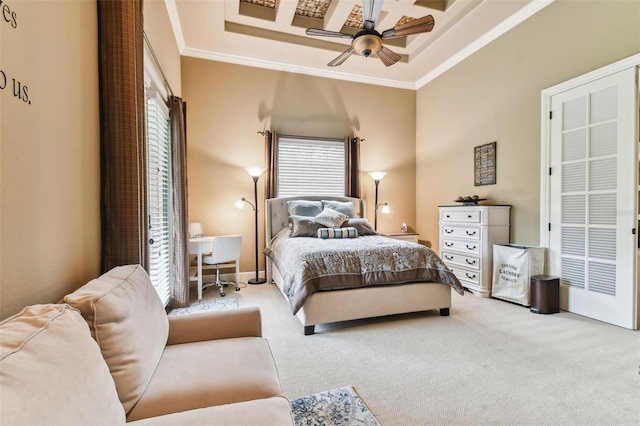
(326,33)
(340,59)
(387,56)
(421,25)
(371,10)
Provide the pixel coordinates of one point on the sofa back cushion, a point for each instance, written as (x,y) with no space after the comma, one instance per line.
(52,372)
(127,319)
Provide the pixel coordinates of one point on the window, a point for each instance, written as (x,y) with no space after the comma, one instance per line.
(310,166)
(159,194)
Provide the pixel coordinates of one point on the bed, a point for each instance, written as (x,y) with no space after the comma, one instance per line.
(354,297)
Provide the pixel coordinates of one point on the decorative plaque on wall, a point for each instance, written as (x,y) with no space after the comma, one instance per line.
(484,164)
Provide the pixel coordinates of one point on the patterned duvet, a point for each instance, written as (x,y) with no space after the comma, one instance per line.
(308,265)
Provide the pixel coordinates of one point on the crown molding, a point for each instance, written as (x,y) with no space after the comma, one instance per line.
(514,20)
(279,66)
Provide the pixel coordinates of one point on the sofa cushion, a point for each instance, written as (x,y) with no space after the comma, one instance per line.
(209,373)
(52,372)
(274,411)
(127,319)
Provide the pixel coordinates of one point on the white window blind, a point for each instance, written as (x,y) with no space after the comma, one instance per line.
(159,195)
(310,166)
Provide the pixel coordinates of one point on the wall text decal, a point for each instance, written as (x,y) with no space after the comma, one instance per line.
(20,90)
(9,16)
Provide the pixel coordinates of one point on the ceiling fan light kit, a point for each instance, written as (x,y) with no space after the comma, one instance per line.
(369,42)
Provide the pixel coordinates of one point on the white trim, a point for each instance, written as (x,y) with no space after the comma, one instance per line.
(279,66)
(545,129)
(506,25)
(152,76)
(174,18)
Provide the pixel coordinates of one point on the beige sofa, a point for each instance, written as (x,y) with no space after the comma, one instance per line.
(109,355)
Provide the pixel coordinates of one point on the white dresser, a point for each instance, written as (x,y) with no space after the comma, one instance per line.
(467,236)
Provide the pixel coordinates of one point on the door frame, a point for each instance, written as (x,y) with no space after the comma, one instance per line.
(545,141)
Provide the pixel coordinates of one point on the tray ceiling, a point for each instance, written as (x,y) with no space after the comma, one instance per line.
(271,34)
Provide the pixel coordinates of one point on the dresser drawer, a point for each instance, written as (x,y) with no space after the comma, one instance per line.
(464,275)
(470,233)
(457,215)
(451,258)
(462,246)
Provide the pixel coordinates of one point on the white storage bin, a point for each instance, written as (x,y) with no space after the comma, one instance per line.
(513,267)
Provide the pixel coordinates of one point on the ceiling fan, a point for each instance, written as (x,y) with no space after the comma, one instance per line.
(368,42)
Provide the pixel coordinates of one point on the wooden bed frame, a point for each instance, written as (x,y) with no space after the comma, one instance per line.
(364,302)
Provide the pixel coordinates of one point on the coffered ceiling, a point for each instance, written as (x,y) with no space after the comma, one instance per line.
(271,34)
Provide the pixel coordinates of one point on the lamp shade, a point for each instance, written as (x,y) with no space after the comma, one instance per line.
(255,171)
(377,175)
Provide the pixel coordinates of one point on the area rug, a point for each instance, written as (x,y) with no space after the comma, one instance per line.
(338,407)
(204,305)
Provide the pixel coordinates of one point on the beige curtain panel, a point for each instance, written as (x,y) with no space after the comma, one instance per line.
(177,114)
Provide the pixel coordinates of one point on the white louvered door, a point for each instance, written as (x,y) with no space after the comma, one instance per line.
(159,195)
(593,193)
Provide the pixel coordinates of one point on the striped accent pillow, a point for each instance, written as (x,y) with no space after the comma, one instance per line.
(348,232)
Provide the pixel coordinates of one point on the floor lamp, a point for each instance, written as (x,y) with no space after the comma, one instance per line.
(255,173)
(377,177)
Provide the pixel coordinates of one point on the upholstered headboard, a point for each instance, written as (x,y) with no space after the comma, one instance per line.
(277,210)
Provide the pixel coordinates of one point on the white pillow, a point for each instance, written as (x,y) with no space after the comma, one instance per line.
(330,218)
(345,207)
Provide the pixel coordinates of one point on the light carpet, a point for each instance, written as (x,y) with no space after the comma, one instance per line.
(205,305)
(489,363)
(337,407)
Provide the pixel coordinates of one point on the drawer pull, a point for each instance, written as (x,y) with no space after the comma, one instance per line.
(470,276)
(468,216)
(448,244)
(470,262)
(448,257)
(448,231)
(470,247)
(470,233)
(448,216)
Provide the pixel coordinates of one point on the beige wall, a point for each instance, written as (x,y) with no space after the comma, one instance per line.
(50,218)
(49,151)
(495,96)
(228,104)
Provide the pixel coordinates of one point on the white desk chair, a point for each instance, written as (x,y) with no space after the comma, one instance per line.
(226,250)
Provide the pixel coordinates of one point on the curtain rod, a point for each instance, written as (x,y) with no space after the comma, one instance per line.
(260,132)
(155,59)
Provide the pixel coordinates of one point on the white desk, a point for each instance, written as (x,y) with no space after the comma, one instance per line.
(199,246)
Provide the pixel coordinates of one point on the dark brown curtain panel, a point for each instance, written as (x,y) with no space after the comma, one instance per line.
(180,294)
(352,181)
(271,163)
(122,134)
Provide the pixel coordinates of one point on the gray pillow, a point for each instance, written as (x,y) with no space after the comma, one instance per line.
(331,218)
(302,226)
(344,207)
(304,208)
(361,224)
